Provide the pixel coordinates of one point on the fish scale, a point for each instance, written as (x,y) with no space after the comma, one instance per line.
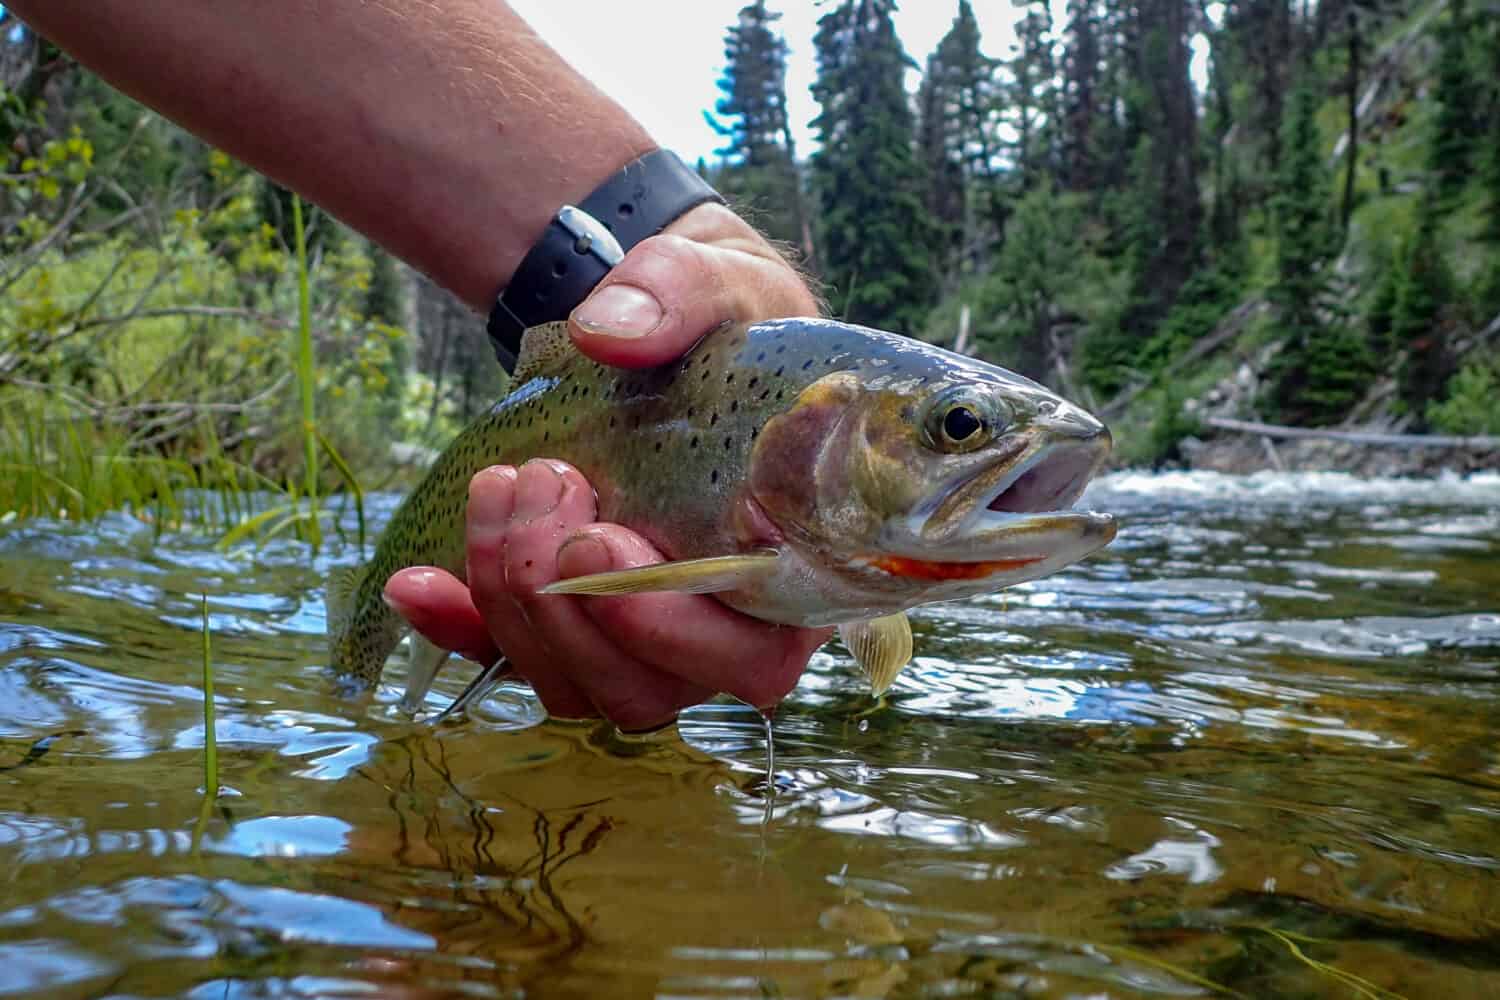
(670,451)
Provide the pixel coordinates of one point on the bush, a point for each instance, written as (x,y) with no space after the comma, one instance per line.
(1473,403)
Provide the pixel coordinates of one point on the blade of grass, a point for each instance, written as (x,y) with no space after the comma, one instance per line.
(305,380)
(353,483)
(210,735)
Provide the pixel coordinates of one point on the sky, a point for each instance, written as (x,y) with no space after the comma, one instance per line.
(662,59)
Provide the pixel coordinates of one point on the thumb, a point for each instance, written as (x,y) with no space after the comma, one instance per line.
(654,305)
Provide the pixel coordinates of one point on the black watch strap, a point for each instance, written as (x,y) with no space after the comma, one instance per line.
(582,243)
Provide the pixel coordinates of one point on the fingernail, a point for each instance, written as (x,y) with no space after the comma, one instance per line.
(492,498)
(583,554)
(539,489)
(619,310)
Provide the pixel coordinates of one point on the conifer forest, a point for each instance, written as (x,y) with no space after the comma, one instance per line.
(1306,233)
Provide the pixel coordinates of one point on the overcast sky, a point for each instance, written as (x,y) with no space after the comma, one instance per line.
(663,58)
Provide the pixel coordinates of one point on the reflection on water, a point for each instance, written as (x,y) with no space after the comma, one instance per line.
(1249,751)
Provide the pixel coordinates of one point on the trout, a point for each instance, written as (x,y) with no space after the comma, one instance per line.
(803,471)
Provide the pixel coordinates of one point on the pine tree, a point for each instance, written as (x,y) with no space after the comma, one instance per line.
(1456,92)
(1081,96)
(877,241)
(957,106)
(760,170)
(1323,365)
(1421,319)
(1032,95)
(1489,285)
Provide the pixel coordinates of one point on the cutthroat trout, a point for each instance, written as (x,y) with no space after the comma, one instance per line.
(802,471)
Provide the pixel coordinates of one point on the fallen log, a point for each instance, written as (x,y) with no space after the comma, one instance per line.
(1478,441)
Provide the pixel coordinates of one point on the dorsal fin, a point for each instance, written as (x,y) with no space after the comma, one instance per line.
(542,349)
(338,604)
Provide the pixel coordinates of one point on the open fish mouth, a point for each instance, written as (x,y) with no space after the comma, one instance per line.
(1052,480)
(1016,514)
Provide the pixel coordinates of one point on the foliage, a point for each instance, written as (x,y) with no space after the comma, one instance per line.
(958,138)
(1039,267)
(1323,367)
(1422,316)
(876,238)
(1473,403)
(145,329)
(1453,147)
(759,169)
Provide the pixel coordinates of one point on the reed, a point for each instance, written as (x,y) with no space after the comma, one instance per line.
(210,734)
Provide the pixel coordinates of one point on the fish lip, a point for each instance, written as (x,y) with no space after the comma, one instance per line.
(1043,522)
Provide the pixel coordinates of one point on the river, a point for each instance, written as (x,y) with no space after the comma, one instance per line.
(1250,750)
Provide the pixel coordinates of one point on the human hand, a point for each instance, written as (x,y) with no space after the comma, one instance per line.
(636,659)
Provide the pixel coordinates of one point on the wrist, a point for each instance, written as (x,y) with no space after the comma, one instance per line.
(583,241)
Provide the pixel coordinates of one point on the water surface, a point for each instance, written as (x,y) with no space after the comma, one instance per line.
(1250,750)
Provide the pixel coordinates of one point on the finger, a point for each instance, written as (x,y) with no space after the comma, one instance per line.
(552,501)
(437,604)
(694,637)
(672,289)
(492,504)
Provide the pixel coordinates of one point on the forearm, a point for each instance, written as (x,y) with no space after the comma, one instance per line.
(446,131)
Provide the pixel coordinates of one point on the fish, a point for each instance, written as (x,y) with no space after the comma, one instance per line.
(803,471)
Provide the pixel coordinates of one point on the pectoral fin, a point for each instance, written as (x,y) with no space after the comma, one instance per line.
(881,646)
(690,576)
(421,668)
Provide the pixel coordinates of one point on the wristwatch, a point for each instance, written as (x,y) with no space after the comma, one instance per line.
(583,242)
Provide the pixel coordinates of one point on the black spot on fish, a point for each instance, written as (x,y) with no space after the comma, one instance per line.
(734,406)
(713,476)
(807,364)
(752,383)
(694,442)
(728,442)
(713,418)
(780,348)
(611,423)
(729,378)
(690,413)
(658,447)
(762,395)
(780,370)
(760,357)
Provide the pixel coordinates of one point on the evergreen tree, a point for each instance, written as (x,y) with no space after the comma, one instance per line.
(1040,263)
(760,170)
(1422,320)
(1489,285)
(1454,131)
(877,241)
(1081,96)
(1032,95)
(1323,365)
(957,107)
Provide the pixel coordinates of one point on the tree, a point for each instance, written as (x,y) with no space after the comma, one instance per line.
(1039,264)
(1032,95)
(1456,93)
(957,106)
(760,162)
(1081,96)
(1323,365)
(877,241)
(1421,319)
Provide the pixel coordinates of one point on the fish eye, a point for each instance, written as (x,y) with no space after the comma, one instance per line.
(962,420)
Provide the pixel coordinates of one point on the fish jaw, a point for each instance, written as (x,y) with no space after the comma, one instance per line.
(1012,521)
